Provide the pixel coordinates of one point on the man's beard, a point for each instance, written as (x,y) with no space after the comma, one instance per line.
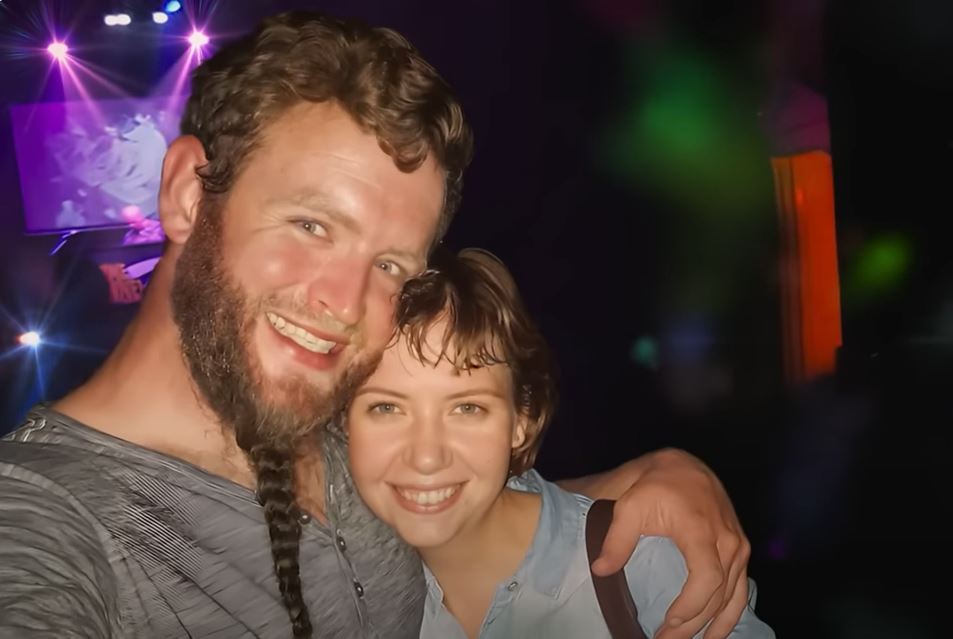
(216,322)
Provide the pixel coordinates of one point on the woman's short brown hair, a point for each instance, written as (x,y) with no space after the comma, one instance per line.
(487,324)
(374,74)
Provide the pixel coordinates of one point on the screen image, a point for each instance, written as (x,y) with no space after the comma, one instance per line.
(96,164)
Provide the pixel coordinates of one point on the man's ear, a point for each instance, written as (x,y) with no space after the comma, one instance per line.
(181,189)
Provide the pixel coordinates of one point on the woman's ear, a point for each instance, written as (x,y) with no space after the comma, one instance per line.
(520,431)
(181,188)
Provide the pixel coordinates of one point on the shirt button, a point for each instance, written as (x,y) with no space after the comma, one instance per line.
(340,541)
(359,589)
(512,586)
(304,518)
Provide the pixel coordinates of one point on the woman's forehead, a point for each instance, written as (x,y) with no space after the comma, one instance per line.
(451,359)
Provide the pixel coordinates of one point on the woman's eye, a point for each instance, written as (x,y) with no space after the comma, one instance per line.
(383,408)
(469,409)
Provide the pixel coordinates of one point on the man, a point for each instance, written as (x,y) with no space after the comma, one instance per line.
(320,162)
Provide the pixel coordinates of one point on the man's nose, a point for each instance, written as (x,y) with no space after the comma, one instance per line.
(340,289)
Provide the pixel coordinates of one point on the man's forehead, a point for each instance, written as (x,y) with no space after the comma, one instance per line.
(337,141)
(318,157)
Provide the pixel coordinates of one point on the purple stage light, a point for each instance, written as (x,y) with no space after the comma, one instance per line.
(58,50)
(198,39)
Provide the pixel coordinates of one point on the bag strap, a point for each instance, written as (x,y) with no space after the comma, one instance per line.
(613,593)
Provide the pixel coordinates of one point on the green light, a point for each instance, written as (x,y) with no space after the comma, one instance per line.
(880,267)
(689,132)
(645,352)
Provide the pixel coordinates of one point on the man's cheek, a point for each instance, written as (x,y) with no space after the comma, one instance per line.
(380,327)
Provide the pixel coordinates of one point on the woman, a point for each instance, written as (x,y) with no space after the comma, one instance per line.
(457,408)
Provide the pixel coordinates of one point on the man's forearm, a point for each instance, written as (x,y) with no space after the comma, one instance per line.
(611,484)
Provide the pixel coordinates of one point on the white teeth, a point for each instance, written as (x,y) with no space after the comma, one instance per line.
(300,336)
(428,497)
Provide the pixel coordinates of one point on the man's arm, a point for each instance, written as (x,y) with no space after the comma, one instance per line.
(670,493)
(55,578)
(656,573)
(610,484)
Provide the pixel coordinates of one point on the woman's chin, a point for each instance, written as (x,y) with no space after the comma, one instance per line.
(424,540)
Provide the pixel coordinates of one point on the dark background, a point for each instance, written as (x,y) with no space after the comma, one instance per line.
(622,171)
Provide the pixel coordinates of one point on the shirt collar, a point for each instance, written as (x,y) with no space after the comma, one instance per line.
(561,529)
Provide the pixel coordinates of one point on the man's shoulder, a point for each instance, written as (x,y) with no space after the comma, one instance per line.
(44,496)
(55,559)
(43,455)
(41,424)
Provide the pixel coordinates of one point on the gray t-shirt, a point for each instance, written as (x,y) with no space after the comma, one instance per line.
(102,538)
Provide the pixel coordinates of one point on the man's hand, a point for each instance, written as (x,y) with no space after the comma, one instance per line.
(671,493)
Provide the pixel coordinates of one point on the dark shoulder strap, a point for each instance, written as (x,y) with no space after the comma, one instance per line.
(613,593)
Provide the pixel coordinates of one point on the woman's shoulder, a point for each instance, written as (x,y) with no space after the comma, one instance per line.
(532,481)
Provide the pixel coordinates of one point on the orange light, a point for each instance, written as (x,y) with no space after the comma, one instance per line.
(810,285)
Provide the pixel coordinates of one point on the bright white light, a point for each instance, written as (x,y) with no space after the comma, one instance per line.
(123,19)
(111,20)
(160,18)
(198,39)
(58,50)
(30,338)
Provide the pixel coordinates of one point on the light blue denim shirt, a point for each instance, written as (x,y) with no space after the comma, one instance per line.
(552,596)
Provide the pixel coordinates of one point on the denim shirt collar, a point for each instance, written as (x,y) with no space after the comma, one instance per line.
(545,568)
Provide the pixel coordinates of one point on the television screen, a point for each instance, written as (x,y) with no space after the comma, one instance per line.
(95,164)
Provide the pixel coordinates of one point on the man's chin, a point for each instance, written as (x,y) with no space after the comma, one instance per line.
(299,401)
(294,407)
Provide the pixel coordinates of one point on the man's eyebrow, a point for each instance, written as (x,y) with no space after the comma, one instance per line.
(419,261)
(320,203)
